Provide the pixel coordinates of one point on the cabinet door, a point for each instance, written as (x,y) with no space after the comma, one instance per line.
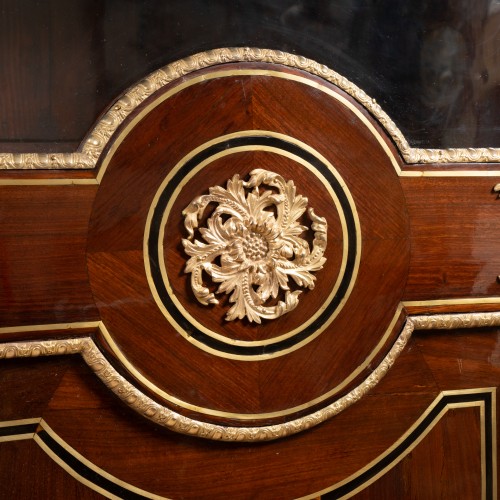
(249,251)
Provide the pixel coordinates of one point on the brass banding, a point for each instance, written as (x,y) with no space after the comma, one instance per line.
(250,416)
(162,415)
(491,392)
(148,408)
(166,214)
(476,402)
(411,155)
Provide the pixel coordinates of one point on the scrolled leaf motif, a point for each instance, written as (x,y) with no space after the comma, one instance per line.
(256,236)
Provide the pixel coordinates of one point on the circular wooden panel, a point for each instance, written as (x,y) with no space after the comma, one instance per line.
(252,338)
(197,134)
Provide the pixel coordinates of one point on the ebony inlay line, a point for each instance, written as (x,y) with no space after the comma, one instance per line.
(86,472)
(488,424)
(447,399)
(15,430)
(154,257)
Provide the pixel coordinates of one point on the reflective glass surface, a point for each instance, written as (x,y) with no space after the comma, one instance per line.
(434,66)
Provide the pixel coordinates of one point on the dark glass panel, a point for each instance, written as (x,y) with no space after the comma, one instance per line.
(434,66)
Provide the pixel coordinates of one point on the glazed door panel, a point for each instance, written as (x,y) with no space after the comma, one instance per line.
(232,274)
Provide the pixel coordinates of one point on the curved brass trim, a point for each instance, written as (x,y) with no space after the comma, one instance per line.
(163,270)
(248,416)
(428,429)
(87,463)
(166,417)
(209,411)
(251,72)
(43,426)
(92,147)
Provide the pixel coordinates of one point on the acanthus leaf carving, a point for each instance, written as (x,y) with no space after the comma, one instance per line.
(255,234)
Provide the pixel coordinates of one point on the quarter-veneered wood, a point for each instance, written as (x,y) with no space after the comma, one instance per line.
(375,242)
(86,417)
(75,254)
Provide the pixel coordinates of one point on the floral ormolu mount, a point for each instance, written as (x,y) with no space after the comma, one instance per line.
(256,233)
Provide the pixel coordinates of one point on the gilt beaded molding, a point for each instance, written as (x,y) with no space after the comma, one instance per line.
(87,155)
(147,407)
(161,415)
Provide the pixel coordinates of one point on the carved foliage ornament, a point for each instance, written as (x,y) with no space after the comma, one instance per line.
(253,245)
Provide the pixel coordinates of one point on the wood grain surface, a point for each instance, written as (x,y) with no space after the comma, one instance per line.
(72,255)
(87,418)
(149,152)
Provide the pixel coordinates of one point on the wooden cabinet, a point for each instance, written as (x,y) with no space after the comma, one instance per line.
(245,282)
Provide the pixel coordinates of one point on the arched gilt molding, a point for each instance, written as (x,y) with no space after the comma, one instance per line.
(88,473)
(94,144)
(147,407)
(166,417)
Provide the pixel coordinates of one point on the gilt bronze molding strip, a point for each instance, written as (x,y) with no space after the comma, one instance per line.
(90,150)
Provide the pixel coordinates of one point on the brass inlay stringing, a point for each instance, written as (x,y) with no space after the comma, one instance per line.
(42,425)
(257,236)
(92,147)
(199,168)
(18,437)
(250,416)
(68,466)
(166,417)
(428,429)
(463,301)
(139,376)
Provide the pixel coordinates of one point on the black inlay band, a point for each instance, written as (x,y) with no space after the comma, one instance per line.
(15,430)
(154,257)
(416,433)
(98,479)
(85,471)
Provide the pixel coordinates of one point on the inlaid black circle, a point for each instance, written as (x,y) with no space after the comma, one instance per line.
(154,254)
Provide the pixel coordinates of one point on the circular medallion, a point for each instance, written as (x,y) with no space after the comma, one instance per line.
(221,294)
(239,269)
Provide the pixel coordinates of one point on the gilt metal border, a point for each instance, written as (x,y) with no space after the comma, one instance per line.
(161,415)
(89,151)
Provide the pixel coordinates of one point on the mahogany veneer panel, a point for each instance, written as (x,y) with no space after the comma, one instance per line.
(152,147)
(455,239)
(463,358)
(27,385)
(111,436)
(84,253)
(42,266)
(454,471)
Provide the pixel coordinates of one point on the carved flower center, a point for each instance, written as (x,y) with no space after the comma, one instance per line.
(255,246)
